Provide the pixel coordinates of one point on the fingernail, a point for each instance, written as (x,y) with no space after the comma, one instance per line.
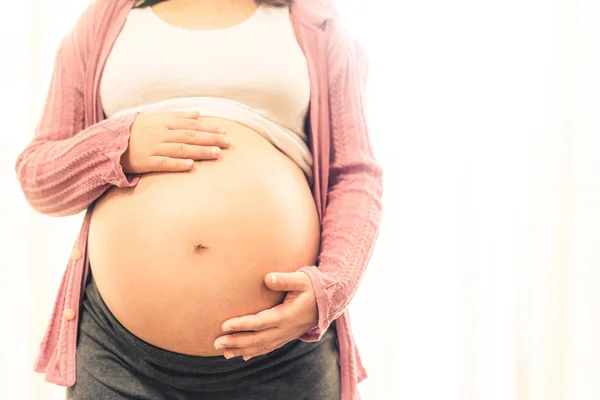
(189,163)
(247,358)
(222,131)
(216,151)
(227,140)
(227,328)
(273,278)
(228,356)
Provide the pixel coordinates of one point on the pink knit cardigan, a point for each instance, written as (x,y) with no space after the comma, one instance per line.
(74,158)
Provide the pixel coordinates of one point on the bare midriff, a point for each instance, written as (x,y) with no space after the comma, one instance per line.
(180,253)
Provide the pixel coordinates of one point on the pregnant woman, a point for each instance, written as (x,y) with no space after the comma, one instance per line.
(232,196)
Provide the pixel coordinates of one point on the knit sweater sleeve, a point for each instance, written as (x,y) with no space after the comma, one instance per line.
(66,166)
(353,210)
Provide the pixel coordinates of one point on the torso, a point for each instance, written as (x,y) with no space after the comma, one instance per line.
(180,253)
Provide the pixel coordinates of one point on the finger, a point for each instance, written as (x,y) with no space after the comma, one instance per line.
(249,353)
(193,125)
(200,126)
(188,151)
(288,281)
(185,114)
(199,138)
(168,164)
(260,341)
(270,318)
(194,115)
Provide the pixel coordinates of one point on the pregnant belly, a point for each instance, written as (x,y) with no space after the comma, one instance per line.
(180,253)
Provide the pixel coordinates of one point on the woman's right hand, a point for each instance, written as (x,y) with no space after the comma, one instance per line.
(171,142)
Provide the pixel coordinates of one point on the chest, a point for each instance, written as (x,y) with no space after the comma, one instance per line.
(202,15)
(257,62)
(310,40)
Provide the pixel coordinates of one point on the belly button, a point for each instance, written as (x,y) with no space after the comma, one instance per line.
(198,247)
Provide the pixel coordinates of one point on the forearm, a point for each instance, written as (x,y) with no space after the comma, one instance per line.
(63,177)
(350,230)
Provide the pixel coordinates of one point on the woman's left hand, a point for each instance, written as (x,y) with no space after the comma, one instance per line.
(253,335)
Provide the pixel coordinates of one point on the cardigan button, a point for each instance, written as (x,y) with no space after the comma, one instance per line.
(69,314)
(76,254)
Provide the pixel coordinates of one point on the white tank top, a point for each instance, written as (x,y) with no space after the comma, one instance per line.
(253,73)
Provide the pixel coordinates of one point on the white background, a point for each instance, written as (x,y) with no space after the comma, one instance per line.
(485,117)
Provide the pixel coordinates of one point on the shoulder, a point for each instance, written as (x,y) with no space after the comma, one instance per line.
(91,17)
(96,13)
(313,13)
(323,16)
(344,53)
(84,35)
(343,49)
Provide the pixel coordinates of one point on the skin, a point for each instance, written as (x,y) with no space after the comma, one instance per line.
(171,142)
(261,333)
(179,139)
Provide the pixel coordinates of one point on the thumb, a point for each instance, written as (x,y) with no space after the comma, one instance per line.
(287,281)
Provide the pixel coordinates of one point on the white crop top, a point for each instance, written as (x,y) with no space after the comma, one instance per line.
(253,73)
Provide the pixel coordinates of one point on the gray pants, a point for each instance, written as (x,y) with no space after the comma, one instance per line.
(112,363)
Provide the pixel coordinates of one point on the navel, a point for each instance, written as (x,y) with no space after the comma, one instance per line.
(199,247)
